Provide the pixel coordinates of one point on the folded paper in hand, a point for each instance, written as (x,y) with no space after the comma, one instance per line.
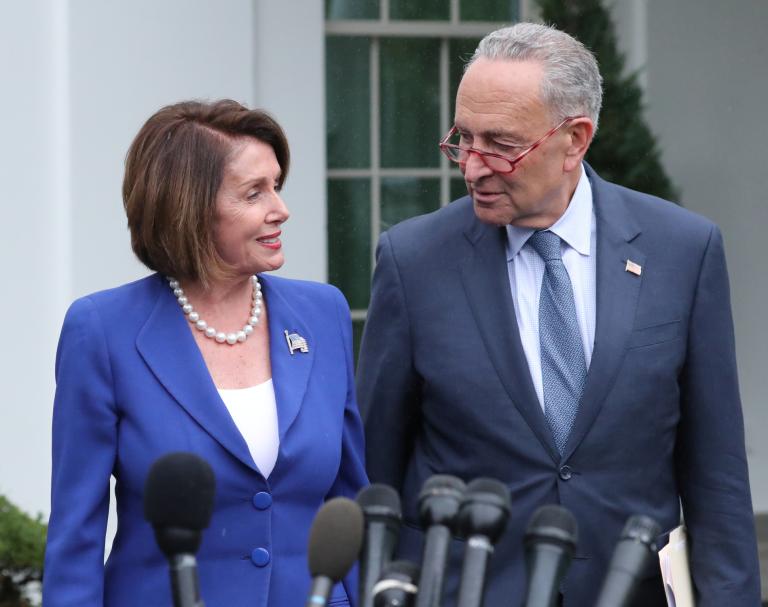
(675,571)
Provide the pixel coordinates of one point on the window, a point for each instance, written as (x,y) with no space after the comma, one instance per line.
(392,68)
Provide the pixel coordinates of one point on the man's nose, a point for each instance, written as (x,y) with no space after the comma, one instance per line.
(475,167)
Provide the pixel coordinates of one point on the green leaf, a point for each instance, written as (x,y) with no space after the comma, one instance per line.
(22,549)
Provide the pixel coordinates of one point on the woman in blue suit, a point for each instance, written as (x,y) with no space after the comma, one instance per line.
(208,355)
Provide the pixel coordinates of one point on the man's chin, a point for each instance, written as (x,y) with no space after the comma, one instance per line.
(492,215)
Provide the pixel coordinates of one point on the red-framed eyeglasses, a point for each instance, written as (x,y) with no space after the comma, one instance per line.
(498,163)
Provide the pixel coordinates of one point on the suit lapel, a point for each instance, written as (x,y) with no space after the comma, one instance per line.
(167,346)
(290,372)
(485,271)
(617,295)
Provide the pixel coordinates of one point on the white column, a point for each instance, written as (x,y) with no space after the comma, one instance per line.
(631,21)
(34,245)
(290,84)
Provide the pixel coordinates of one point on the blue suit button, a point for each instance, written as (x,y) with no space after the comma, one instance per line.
(262,500)
(260,557)
(566,473)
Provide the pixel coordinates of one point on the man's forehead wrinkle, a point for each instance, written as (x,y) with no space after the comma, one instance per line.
(501,99)
(483,95)
(503,111)
(501,104)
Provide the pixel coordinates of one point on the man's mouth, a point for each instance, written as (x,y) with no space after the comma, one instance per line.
(485,196)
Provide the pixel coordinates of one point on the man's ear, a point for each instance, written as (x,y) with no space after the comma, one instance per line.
(580,132)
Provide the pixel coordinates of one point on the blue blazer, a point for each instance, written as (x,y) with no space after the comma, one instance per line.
(444,387)
(132,386)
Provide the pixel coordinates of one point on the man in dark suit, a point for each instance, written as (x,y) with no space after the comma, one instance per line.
(565,335)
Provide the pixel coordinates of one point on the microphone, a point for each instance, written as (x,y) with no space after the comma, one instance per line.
(334,544)
(397,586)
(482,519)
(550,541)
(631,556)
(439,503)
(381,507)
(178,502)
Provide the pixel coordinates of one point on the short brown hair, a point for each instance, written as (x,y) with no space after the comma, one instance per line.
(173,171)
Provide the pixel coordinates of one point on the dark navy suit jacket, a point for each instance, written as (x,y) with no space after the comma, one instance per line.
(132,385)
(444,388)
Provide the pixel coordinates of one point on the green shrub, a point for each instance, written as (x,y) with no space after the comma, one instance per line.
(22,548)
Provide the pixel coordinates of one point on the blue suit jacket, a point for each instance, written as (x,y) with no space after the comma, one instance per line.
(132,385)
(444,387)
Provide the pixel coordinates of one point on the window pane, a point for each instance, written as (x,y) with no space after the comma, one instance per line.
(436,10)
(404,197)
(349,238)
(460,50)
(489,10)
(348,102)
(458,188)
(410,102)
(351,9)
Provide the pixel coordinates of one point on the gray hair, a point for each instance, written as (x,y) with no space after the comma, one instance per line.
(572,84)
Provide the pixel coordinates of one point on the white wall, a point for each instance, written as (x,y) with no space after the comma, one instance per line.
(32,247)
(80,78)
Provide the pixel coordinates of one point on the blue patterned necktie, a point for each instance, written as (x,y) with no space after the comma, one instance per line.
(563,368)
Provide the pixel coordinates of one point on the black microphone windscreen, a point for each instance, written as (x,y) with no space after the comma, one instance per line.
(489,485)
(440,483)
(642,529)
(484,509)
(179,492)
(632,558)
(379,501)
(552,523)
(335,538)
(439,500)
(488,491)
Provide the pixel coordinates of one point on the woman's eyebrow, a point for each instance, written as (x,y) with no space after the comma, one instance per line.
(261,180)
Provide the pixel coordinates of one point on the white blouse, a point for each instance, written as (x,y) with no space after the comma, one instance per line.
(254,411)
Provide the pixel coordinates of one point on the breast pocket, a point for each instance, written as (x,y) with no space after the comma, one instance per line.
(655,334)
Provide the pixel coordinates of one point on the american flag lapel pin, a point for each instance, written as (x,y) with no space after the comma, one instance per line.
(633,268)
(296,342)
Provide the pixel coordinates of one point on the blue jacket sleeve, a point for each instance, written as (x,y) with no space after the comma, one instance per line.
(710,454)
(351,476)
(388,384)
(84,447)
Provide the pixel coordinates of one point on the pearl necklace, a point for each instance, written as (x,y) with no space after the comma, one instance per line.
(210,332)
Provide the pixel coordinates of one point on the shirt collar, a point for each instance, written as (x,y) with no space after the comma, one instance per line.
(574,226)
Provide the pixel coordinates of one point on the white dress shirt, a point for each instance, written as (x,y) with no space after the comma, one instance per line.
(254,411)
(576,228)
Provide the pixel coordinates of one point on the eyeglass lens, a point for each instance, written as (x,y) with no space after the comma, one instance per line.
(461,156)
